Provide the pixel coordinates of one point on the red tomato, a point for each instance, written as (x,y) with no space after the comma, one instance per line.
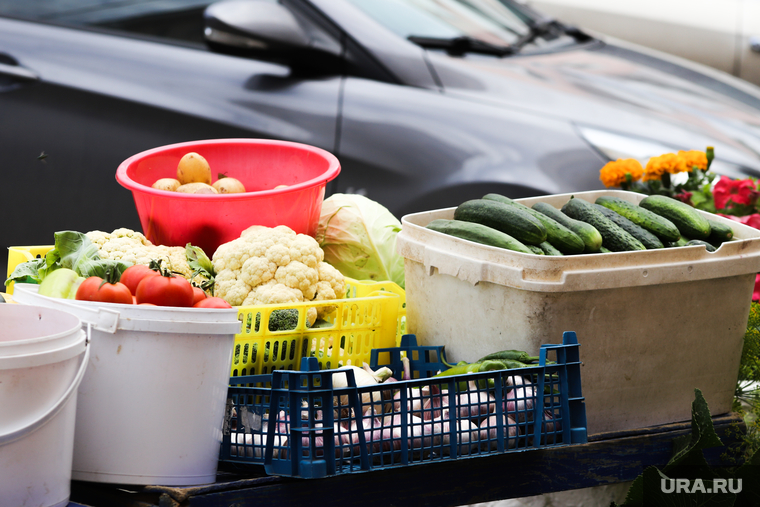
(95,288)
(212,302)
(198,294)
(165,290)
(132,276)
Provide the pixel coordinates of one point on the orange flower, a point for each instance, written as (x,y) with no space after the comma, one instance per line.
(615,174)
(667,163)
(694,158)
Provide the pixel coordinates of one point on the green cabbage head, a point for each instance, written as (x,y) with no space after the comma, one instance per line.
(358,236)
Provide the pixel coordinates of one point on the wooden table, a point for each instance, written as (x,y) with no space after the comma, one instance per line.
(605,459)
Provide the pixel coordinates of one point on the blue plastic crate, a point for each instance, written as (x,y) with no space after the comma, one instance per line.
(297,424)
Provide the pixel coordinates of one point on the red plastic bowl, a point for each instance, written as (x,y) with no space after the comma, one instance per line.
(207,221)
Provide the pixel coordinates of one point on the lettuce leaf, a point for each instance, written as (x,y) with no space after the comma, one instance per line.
(73,250)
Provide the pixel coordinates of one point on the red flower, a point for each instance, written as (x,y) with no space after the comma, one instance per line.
(752,220)
(756,292)
(737,191)
(684,197)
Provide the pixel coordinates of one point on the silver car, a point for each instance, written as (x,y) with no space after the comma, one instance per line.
(425,103)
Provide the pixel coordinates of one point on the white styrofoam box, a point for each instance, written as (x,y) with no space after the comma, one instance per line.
(654,325)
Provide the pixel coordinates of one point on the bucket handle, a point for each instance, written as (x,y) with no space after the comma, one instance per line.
(53,411)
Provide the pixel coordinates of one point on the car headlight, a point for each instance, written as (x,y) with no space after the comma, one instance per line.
(615,146)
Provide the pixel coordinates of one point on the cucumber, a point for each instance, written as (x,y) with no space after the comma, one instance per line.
(653,222)
(508,219)
(613,236)
(605,250)
(674,244)
(560,237)
(549,249)
(478,233)
(708,246)
(535,249)
(591,238)
(720,232)
(687,219)
(648,239)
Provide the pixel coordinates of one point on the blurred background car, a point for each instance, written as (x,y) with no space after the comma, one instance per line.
(426,103)
(724,34)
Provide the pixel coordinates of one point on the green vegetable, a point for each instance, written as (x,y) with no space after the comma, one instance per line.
(61,283)
(591,238)
(613,236)
(478,233)
(512,354)
(560,237)
(647,238)
(508,219)
(72,250)
(461,369)
(549,249)
(535,249)
(690,222)
(720,232)
(201,265)
(658,225)
(358,237)
(280,320)
(699,242)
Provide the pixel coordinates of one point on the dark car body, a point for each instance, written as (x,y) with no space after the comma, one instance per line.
(415,127)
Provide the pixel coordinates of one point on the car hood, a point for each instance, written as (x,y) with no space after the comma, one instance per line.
(636,94)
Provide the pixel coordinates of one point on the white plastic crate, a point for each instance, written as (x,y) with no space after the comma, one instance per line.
(655,324)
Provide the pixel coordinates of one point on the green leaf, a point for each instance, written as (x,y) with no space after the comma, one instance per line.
(73,250)
(27,272)
(687,451)
(198,260)
(201,265)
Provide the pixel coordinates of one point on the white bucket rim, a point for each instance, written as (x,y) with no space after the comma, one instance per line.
(55,339)
(156,319)
(41,421)
(41,358)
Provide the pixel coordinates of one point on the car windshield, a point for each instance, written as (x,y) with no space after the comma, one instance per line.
(173,19)
(493,22)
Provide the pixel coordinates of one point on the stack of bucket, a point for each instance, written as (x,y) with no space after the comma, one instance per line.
(150,399)
(43,358)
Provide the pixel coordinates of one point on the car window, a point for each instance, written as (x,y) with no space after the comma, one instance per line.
(175,19)
(491,21)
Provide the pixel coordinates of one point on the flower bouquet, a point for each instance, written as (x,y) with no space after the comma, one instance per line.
(686,176)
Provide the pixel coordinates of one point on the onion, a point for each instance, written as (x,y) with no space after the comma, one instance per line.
(362,378)
(489,430)
(520,400)
(468,433)
(475,403)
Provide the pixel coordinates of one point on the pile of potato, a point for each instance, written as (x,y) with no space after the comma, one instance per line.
(194,177)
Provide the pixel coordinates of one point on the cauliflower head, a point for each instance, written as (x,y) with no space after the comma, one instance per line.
(274,265)
(133,247)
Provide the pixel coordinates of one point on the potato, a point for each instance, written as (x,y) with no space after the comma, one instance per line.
(280,186)
(228,185)
(169,184)
(196,188)
(193,168)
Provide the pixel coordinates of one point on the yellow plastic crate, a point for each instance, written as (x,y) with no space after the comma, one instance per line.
(364,320)
(19,254)
(372,315)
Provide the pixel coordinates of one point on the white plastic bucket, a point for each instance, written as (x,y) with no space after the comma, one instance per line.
(43,358)
(152,402)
